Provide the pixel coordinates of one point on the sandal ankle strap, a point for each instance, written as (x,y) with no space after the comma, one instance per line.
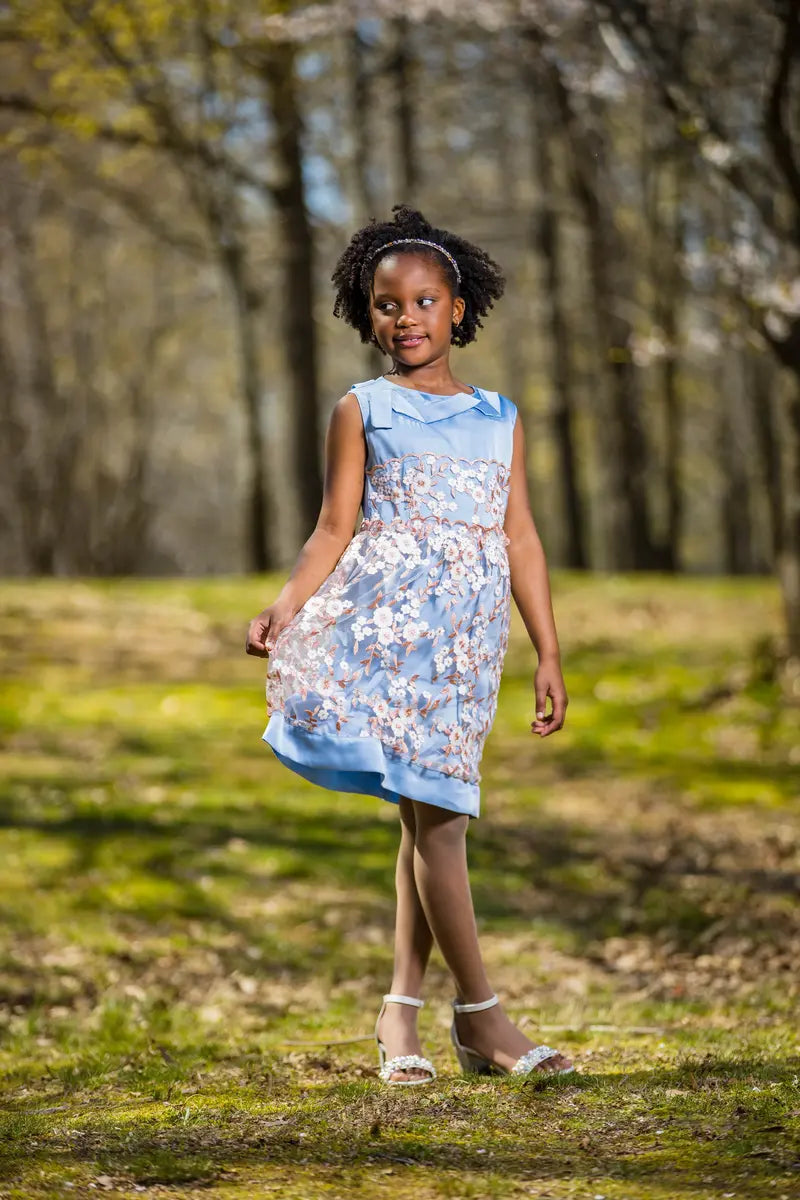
(404,999)
(490,1003)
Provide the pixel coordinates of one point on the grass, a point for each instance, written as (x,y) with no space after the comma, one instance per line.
(194,940)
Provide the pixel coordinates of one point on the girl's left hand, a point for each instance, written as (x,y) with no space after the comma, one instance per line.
(548,681)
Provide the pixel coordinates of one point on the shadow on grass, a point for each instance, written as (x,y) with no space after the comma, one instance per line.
(577,879)
(700,1122)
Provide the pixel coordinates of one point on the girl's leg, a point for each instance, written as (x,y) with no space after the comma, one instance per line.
(440,871)
(412,947)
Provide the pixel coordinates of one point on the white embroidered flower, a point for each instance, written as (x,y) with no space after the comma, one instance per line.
(409,546)
(392,554)
(442,660)
(419,482)
(412,603)
(383,616)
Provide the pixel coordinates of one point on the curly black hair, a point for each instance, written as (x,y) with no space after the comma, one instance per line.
(482,281)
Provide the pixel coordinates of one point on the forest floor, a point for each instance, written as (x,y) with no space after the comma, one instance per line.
(194,941)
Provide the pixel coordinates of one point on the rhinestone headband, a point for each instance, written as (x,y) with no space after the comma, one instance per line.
(419,241)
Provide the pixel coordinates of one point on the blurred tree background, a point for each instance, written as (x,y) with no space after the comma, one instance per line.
(177,180)
(191,943)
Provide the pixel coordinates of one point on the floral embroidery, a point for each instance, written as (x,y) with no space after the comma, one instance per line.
(405,639)
(437,485)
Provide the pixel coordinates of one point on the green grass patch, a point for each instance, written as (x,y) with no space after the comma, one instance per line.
(195,941)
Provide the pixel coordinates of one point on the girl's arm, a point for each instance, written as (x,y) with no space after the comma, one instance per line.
(345,462)
(530,587)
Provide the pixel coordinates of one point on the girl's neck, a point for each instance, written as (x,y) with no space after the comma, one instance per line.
(438,384)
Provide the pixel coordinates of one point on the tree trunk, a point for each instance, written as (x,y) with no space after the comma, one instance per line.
(259,539)
(299,330)
(667,185)
(789,557)
(737,533)
(546,224)
(623,441)
(761,385)
(787,350)
(401,69)
(366,200)
(47,437)
(627,465)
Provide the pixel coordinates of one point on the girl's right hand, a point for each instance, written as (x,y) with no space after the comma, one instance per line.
(264,629)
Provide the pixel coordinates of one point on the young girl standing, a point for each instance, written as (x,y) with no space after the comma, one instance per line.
(386,646)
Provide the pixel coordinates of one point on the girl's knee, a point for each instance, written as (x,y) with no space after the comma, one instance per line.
(438,824)
(408,820)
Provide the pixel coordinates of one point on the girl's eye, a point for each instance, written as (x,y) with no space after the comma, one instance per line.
(387,303)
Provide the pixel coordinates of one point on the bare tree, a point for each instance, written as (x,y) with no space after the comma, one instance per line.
(762,171)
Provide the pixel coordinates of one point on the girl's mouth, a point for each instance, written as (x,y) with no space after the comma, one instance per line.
(410,341)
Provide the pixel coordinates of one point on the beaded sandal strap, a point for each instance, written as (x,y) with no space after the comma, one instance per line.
(531,1059)
(402,1062)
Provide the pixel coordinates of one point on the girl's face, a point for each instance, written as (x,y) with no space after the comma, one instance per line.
(412,309)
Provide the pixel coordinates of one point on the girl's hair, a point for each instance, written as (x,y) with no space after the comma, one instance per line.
(482,281)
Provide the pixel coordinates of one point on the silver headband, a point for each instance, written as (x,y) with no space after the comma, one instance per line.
(419,241)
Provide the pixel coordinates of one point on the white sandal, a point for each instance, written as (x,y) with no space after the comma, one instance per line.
(401,1062)
(471,1061)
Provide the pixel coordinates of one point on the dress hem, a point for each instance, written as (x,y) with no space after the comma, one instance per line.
(363,765)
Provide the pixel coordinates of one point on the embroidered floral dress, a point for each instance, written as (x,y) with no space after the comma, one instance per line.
(385,682)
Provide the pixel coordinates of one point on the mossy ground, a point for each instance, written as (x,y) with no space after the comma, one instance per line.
(195,940)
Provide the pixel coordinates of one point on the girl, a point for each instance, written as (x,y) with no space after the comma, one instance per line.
(386,646)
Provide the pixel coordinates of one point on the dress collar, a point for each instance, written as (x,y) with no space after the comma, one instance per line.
(392,397)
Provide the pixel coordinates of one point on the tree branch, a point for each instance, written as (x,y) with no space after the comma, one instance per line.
(180,147)
(631,21)
(134,205)
(775,112)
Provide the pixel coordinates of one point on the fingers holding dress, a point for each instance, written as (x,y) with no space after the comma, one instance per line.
(260,639)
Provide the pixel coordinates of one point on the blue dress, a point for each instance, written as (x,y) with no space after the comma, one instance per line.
(385,682)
